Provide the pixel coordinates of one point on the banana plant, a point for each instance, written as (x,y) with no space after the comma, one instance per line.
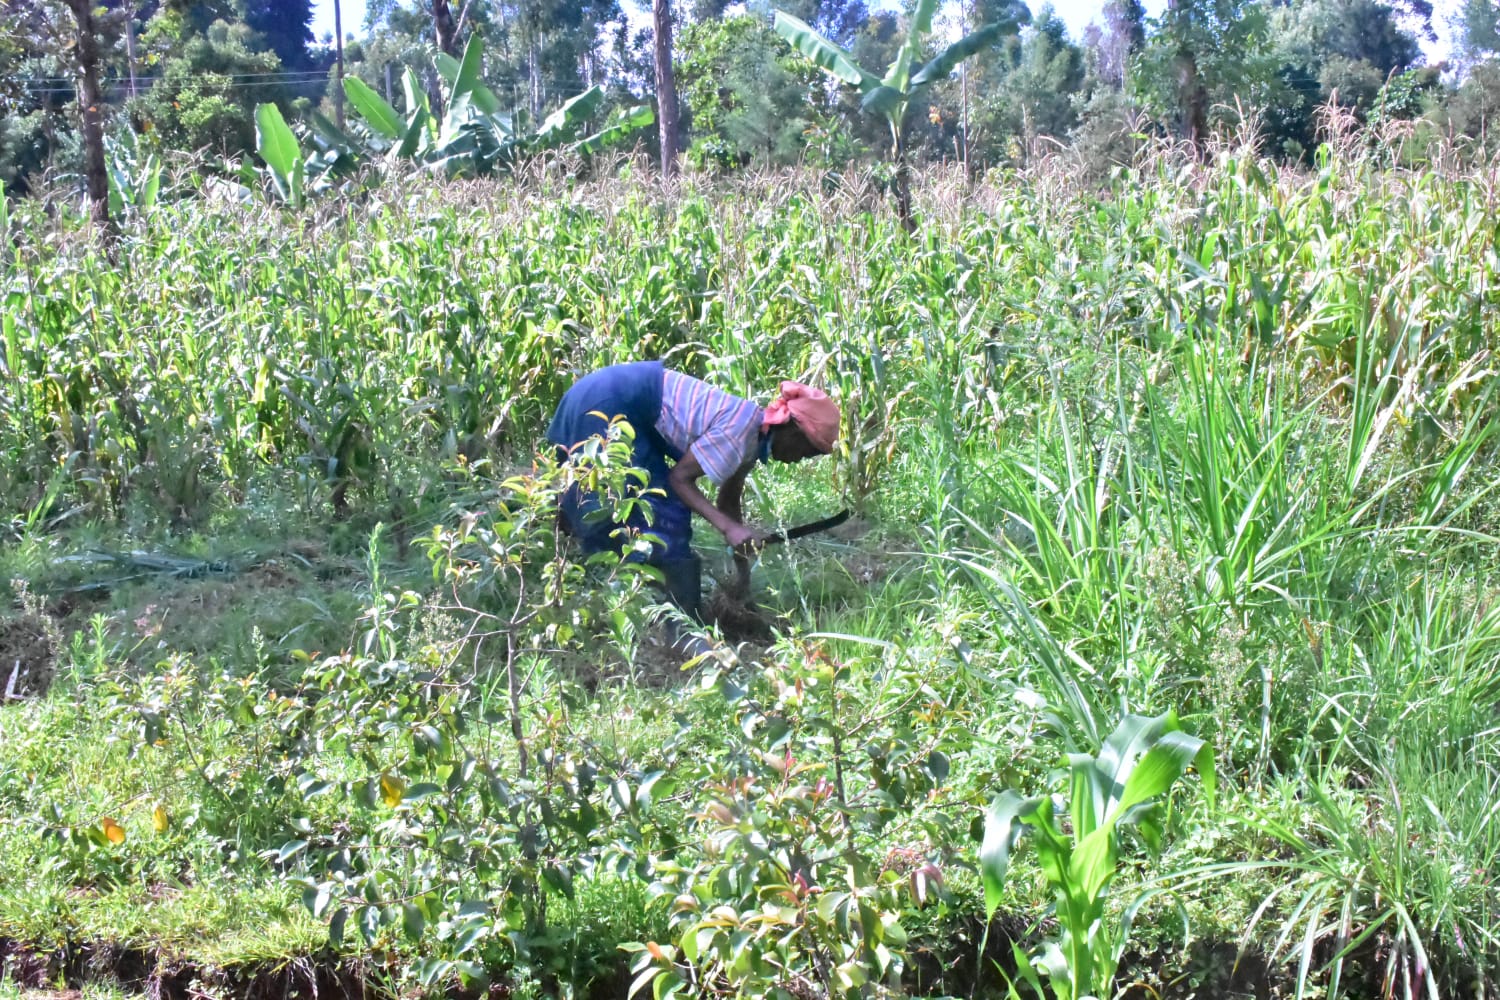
(474,135)
(282,154)
(334,153)
(296,173)
(1120,788)
(890,96)
(134,175)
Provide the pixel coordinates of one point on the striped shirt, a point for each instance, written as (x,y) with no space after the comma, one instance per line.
(722,430)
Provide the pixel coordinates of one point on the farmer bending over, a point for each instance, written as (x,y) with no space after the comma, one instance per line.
(686,429)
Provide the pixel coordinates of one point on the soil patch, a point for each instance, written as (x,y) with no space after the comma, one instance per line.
(62,975)
(740,620)
(28,657)
(64,972)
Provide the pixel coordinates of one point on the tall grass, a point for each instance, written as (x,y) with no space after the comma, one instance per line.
(1215,438)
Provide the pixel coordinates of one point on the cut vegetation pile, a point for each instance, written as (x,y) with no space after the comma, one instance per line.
(1169,631)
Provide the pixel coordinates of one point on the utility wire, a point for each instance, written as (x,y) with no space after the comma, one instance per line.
(146,83)
(568,81)
(250,77)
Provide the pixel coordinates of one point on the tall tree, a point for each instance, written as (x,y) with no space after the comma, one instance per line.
(285,26)
(1360,31)
(445,27)
(207,86)
(424,15)
(1122,36)
(1478,26)
(1347,49)
(29,114)
(745,92)
(666,86)
(837,20)
(1045,79)
(707,10)
(396,35)
(1201,53)
(1192,95)
(555,45)
(1474,109)
(91,111)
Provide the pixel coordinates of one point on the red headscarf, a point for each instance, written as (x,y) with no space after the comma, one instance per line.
(813,411)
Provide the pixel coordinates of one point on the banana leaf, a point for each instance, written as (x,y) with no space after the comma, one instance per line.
(332,138)
(416,95)
(883,100)
(826,55)
(628,120)
(898,75)
(564,123)
(274,141)
(373,108)
(414,140)
(279,149)
(449,68)
(459,114)
(948,60)
(463,77)
(146,197)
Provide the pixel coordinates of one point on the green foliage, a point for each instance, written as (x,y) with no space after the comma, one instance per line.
(746,96)
(285,27)
(1479,28)
(134,174)
(1201,55)
(475,137)
(1403,97)
(891,96)
(790,889)
(1470,110)
(207,88)
(378,115)
(1208,435)
(281,153)
(1118,789)
(1342,51)
(1029,90)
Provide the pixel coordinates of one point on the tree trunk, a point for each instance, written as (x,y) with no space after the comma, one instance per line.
(91,108)
(130,50)
(1192,99)
(444,27)
(903,186)
(338,41)
(666,87)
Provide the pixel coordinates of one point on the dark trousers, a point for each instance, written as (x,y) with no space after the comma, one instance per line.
(632,391)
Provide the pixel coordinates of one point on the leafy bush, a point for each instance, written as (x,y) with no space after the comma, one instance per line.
(794,887)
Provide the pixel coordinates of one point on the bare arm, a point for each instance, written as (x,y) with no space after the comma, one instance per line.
(732,493)
(684,482)
(730,498)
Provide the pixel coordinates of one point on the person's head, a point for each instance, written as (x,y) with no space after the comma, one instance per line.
(790,443)
(803,422)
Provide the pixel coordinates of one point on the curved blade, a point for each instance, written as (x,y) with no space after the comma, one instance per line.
(811,528)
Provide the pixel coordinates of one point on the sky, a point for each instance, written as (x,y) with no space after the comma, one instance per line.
(1076,14)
